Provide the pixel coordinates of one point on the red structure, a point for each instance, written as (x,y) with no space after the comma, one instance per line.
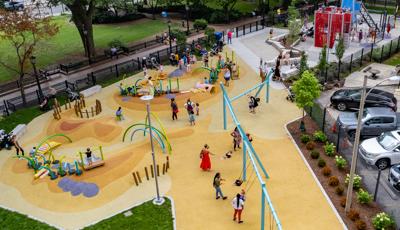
(329,22)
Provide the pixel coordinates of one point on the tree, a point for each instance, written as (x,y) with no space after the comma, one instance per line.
(82,14)
(306,89)
(23,31)
(339,52)
(227,7)
(153,5)
(294,21)
(303,63)
(323,64)
(180,38)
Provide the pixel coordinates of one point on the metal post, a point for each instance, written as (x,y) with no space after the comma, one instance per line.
(187,19)
(398,41)
(377,184)
(362,54)
(256,25)
(244,162)
(237,32)
(349,194)
(338,138)
(383,46)
(390,48)
(262,207)
(351,62)
(372,51)
(224,109)
(267,93)
(6,108)
(244,29)
(323,120)
(169,35)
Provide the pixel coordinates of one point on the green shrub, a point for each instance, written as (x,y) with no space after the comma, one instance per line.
(326,171)
(314,154)
(310,145)
(304,138)
(200,24)
(329,149)
(340,162)
(333,181)
(357,181)
(319,136)
(116,43)
(339,190)
(363,197)
(321,163)
(382,221)
(209,32)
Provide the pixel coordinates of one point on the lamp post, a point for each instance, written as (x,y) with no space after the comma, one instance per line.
(263,12)
(169,35)
(158,200)
(364,94)
(85,32)
(33,62)
(187,19)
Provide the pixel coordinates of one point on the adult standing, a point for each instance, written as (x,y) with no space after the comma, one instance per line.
(174,108)
(237,139)
(205,158)
(360,36)
(238,205)
(277,74)
(18,148)
(217,185)
(227,76)
(229,36)
(189,106)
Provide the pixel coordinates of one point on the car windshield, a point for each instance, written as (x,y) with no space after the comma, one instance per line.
(365,113)
(387,141)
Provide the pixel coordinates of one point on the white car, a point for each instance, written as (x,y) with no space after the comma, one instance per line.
(382,151)
(394,177)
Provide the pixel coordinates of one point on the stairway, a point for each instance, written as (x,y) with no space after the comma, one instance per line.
(368,19)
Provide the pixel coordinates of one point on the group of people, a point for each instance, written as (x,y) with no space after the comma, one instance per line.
(192,108)
(184,62)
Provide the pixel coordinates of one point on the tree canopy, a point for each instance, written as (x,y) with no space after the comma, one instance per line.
(306,89)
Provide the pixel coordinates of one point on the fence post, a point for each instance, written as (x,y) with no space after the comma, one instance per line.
(250,27)
(66,84)
(351,62)
(139,64)
(398,41)
(116,70)
(158,56)
(326,74)
(237,32)
(6,108)
(383,46)
(256,25)
(390,48)
(323,120)
(145,44)
(93,78)
(372,51)
(244,29)
(362,54)
(338,138)
(338,72)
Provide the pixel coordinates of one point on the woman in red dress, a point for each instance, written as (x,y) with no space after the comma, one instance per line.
(205,158)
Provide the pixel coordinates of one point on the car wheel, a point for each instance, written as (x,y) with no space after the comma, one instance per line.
(352,135)
(383,163)
(341,106)
(397,186)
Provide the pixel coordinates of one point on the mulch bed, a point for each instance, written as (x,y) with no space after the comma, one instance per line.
(367,212)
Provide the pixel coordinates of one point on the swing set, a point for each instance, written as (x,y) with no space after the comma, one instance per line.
(248,151)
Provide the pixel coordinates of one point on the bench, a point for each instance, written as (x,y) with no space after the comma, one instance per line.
(90,91)
(94,165)
(288,72)
(19,130)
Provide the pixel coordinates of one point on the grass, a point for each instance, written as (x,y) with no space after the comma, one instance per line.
(394,60)
(68,43)
(242,6)
(390,10)
(21,116)
(15,221)
(145,217)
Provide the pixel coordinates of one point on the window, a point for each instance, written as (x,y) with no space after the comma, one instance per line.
(387,120)
(376,120)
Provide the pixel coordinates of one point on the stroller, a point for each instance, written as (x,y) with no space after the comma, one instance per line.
(5,140)
(291,96)
(154,63)
(214,50)
(72,96)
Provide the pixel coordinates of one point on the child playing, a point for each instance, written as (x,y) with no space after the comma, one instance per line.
(118,114)
(89,156)
(192,118)
(197,109)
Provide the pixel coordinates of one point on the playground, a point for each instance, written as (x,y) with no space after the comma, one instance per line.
(119,174)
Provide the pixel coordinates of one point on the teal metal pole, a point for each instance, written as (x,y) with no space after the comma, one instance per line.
(177,83)
(224,108)
(267,93)
(262,207)
(244,162)
(169,82)
(160,85)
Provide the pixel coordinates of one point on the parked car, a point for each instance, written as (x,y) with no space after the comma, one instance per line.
(375,121)
(381,151)
(345,99)
(394,177)
(14,5)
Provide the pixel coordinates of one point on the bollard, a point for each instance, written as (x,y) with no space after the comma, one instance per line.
(138,175)
(147,173)
(163,168)
(134,177)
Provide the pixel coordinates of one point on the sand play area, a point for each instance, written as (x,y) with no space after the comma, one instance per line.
(296,196)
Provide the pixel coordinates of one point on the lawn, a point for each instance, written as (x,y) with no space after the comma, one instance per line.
(66,45)
(242,5)
(394,60)
(145,217)
(21,116)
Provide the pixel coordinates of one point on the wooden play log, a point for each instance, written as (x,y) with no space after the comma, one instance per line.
(147,173)
(134,177)
(167,162)
(152,171)
(87,113)
(163,168)
(158,170)
(138,175)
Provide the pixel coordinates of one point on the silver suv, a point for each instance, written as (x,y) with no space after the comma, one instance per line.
(14,5)
(394,177)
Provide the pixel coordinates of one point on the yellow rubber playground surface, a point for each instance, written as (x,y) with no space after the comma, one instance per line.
(296,196)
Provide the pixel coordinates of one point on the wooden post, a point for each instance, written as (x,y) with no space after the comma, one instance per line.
(80,112)
(167,162)
(158,170)
(91,108)
(76,110)
(83,102)
(87,113)
(147,173)
(138,175)
(163,168)
(65,106)
(152,171)
(134,177)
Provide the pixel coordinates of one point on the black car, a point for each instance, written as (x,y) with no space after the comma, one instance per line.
(345,99)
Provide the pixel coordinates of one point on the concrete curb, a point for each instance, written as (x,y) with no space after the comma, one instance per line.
(314,176)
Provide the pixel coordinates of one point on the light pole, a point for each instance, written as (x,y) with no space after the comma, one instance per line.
(364,94)
(263,12)
(169,35)
(33,62)
(85,32)
(147,98)
(187,19)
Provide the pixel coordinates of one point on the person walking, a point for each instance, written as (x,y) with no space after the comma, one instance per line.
(118,114)
(277,73)
(205,158)
(229,36)
(217,185)
(227,77)
(192,118)
(18,148)
(174,108)
(360,36)
(189,106)
(237,139)
(238,205)
(197,109)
